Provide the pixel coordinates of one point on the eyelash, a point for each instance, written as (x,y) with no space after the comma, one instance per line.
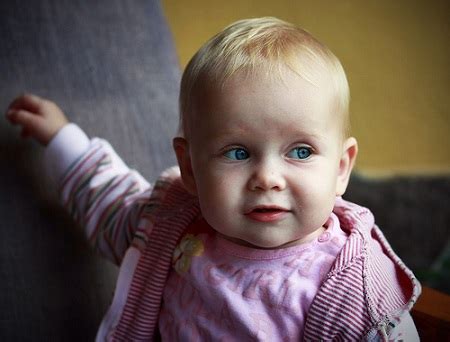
(239,153)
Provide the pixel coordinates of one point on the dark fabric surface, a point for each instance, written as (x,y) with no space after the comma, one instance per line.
(413,213)
(110,64)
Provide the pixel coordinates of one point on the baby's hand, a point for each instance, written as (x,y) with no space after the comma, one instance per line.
(38,117)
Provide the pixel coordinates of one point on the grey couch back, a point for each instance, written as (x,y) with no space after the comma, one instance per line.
(111,65)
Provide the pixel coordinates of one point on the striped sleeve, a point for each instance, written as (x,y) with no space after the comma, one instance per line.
(99,191)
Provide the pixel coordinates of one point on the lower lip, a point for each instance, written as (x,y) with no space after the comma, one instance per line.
(267,216)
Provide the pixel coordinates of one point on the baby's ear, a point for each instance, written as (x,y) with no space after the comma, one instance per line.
(346,163)
(181,147)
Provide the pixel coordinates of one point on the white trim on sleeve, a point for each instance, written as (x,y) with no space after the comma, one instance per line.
(65,147)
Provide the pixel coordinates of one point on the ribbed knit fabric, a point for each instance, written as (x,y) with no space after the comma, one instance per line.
(104,196)
(362,296)
(366,294)
(359,298)
(140,315)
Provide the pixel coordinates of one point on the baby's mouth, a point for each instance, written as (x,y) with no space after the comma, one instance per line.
(267,209)
(267,213)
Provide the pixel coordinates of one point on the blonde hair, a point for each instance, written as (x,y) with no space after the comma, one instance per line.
(261,44)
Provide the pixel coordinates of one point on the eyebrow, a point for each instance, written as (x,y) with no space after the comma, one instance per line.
(227,132)
(301,134)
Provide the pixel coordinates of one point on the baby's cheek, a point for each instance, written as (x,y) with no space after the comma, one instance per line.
(221,183)
(217,198)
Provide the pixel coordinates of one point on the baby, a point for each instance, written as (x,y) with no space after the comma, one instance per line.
(249,239)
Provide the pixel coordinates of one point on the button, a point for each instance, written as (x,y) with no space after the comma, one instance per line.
(324,237)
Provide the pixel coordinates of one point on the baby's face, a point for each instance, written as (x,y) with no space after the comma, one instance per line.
(267,160)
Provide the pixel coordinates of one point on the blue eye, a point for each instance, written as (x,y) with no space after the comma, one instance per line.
(237,154)
(300,153)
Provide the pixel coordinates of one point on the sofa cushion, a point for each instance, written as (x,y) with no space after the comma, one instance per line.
(111,65)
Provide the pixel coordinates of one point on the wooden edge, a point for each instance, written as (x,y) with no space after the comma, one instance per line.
(431,315)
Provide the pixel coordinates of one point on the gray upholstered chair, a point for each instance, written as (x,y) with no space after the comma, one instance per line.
(111,65)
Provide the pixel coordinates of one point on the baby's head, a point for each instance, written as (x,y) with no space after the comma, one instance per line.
(264,133)
(262,46)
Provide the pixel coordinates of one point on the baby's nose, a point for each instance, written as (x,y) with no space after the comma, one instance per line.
(266,177)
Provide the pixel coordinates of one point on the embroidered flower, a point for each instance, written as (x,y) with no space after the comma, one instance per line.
(188,247)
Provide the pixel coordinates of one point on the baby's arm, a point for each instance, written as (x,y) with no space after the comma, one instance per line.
(38,117)
(97,188)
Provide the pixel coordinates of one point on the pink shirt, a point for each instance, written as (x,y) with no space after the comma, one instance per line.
(222,291)
(367,294)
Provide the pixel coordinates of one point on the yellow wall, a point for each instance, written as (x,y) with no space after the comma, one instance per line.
(396,54)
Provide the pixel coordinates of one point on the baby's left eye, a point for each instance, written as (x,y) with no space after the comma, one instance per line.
(237,154)
(302,152)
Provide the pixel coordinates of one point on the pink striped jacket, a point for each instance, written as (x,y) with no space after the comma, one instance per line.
(362,297)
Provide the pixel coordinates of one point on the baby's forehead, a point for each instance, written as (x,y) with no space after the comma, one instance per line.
(284,86)
(286,103)
(213,92)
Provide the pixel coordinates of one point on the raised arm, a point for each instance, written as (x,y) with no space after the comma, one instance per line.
(100,192)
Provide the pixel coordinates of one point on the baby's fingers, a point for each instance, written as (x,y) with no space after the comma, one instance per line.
(38,117)
(22,117)
(28,102)
(33,125)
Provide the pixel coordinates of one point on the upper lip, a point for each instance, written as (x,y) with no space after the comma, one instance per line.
(266,207)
